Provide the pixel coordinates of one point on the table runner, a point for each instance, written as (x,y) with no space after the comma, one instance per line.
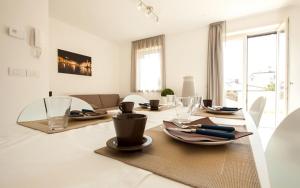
(223,166)
(201,112)
(42,125)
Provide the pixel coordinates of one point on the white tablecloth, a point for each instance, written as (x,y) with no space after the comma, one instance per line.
(29,158)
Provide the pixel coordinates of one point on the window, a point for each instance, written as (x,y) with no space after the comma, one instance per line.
(148,64)
(149,77)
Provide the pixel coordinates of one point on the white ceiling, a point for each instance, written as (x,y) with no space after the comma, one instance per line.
(120,20)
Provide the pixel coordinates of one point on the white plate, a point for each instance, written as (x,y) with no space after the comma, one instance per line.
(208,143)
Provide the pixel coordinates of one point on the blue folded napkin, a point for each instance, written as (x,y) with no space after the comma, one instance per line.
(229,109)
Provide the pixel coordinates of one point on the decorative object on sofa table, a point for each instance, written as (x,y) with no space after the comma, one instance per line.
(73,63)
(188,88)
(167,96)
(166,92)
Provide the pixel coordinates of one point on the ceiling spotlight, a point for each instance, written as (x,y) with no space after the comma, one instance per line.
(140,5)
(157,20)
(148,10)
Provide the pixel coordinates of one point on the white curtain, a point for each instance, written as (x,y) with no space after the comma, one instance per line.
(215,62)
(148,64)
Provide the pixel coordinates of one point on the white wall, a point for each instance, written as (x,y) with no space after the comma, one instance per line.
(124,65)
(105,64)
(185,55)
(16,92)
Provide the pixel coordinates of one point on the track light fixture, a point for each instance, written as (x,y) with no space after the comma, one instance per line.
(149,10)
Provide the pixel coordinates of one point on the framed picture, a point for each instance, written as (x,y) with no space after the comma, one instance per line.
(73,63)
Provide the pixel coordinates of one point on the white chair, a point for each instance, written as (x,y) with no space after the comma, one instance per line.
(257,109)
(36,110)
(283,153)
(136,99)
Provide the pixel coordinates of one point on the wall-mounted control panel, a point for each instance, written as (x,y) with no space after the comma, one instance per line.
(16,33)
(33,35)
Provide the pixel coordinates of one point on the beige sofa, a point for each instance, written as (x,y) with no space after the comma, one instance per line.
(101,101)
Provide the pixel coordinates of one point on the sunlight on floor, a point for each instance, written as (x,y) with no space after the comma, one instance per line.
(265,134)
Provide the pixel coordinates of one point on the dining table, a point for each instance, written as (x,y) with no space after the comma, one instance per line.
(29,158)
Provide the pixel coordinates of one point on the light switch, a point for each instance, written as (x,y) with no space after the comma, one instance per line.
(32,74)
(16,32)
(18,72)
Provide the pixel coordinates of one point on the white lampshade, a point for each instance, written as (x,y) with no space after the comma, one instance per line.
(188,88)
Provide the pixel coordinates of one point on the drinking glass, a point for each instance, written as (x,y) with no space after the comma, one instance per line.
(183,109)
(57,111)
(170,100)
(196,103)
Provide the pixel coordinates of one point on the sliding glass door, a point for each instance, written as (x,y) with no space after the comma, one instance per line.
(261,73)
(254,66)
(282,72)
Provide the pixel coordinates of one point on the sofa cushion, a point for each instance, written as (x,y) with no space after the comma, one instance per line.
(109,100)
(93,100)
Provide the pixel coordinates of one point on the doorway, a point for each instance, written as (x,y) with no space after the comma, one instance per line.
(261,74)
(254,66)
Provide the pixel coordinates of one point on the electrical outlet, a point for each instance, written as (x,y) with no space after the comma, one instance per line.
(17,72)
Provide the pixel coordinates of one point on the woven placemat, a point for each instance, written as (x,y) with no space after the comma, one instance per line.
(226,166)
(161,108)
(201,112)
(42,125)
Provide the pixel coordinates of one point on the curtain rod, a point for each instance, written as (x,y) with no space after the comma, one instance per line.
(149,38)
(217,23)
(262,34)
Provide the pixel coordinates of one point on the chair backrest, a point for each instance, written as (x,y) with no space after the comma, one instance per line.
(283,153)
(36,110)
(136,99)
(257,109)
